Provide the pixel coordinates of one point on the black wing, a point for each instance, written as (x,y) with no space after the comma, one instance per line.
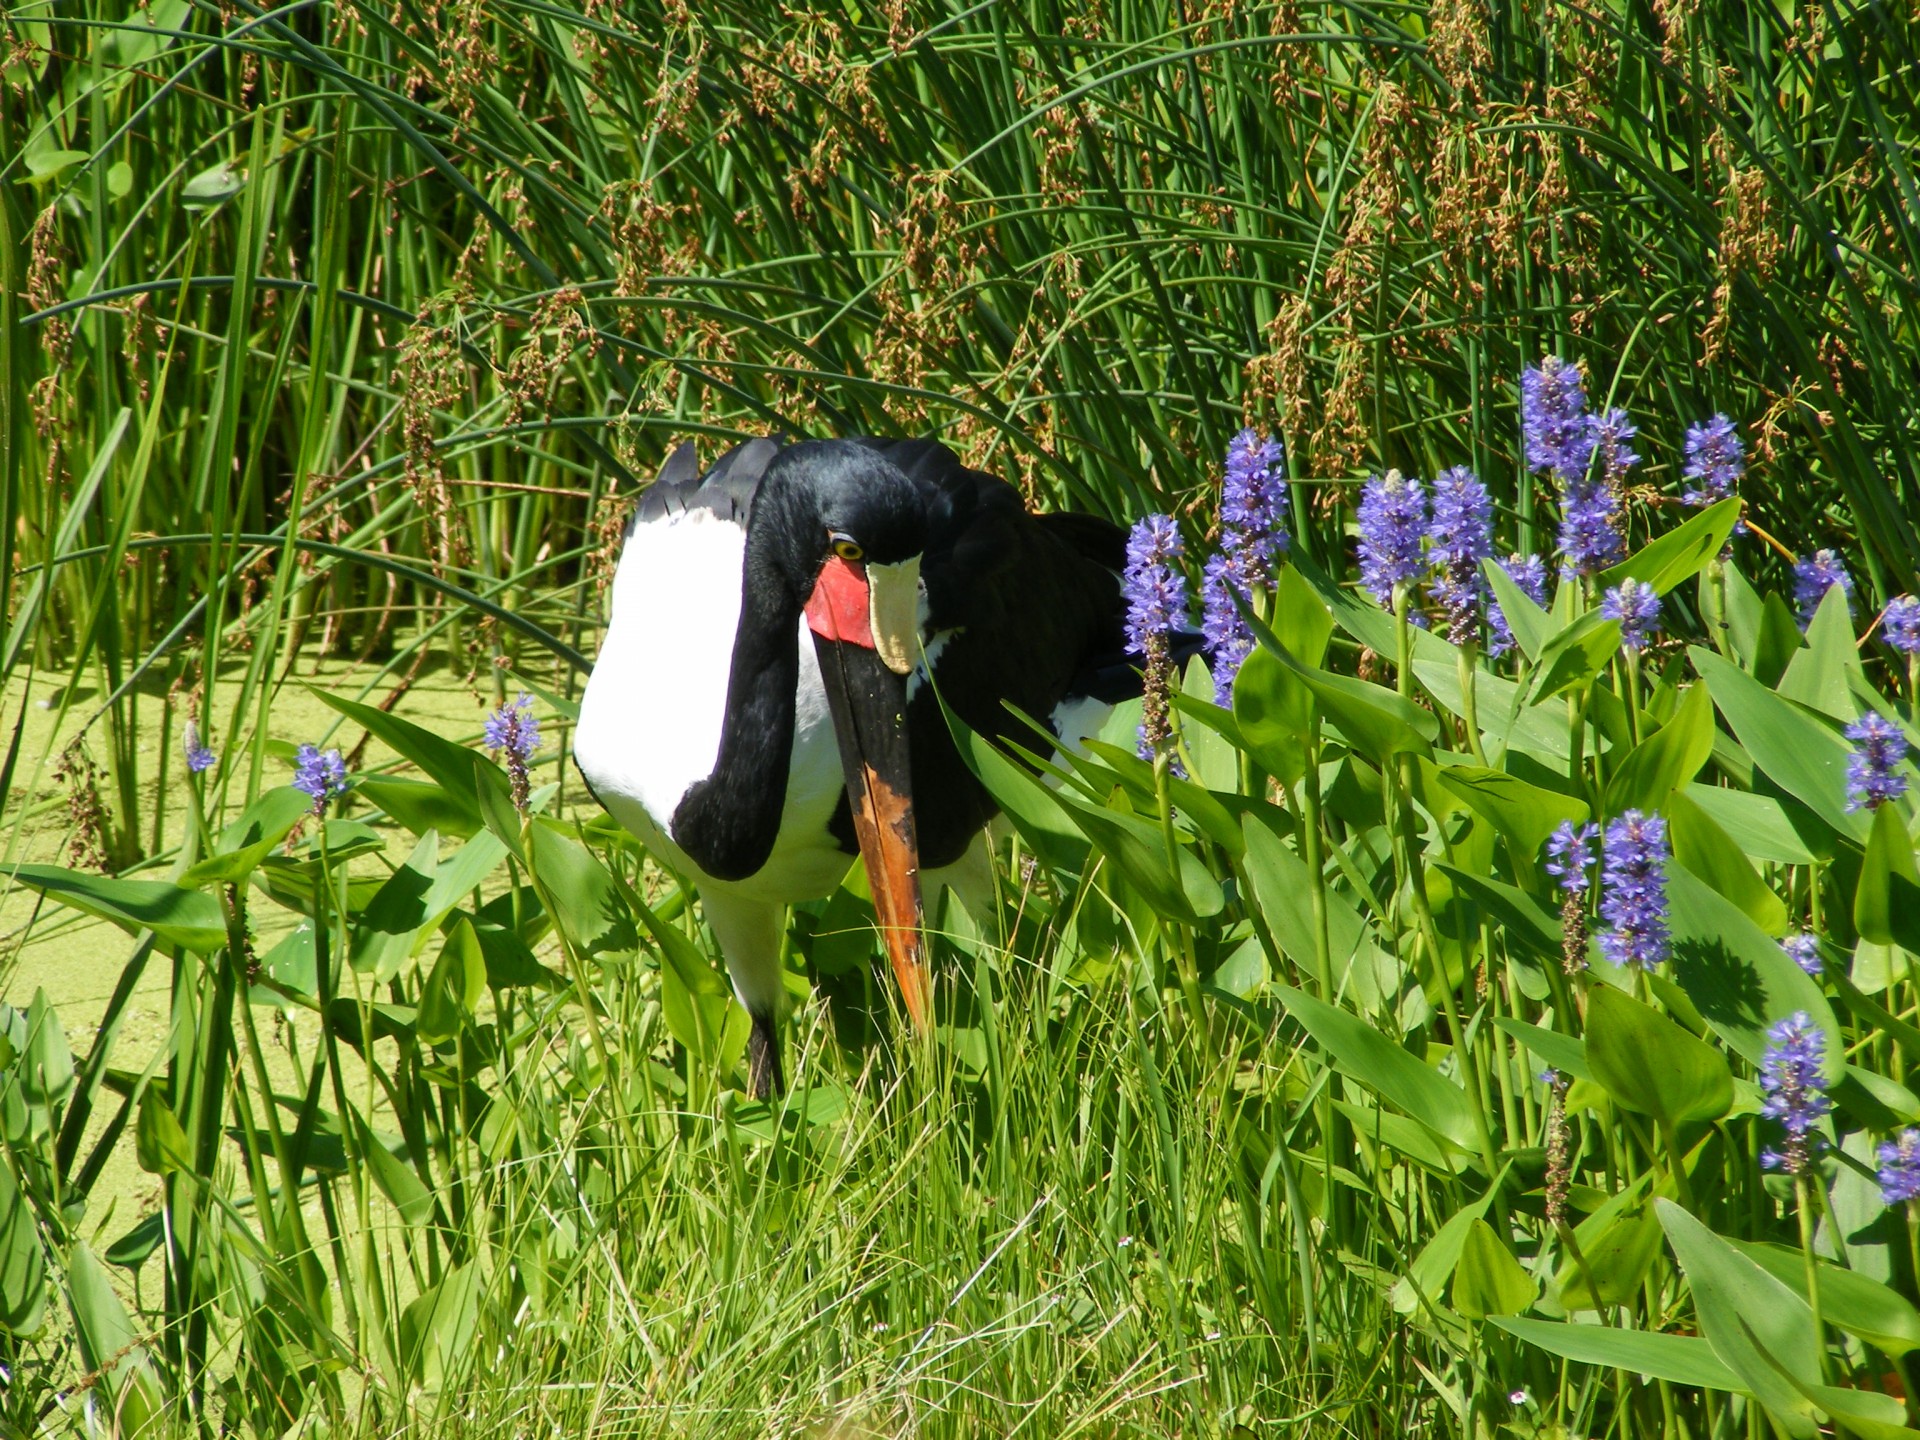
(1026,610)
(727,489)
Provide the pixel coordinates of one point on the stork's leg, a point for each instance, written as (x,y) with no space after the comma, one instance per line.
(749,933)
(764,1077)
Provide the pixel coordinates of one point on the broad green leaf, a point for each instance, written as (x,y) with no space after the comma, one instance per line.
(1729,1291)
(1737,975)
(1761,825)
(23,1264)
(251,838)
(1617,1260)
(1370,718)
(1195,807)
(1272,715)
(291,964)
(1216,763)
(1488,1280)
(1575,655)
(1734,621)
(1867,1414)
(1033,808)
(160,1145)
(1179,885)
(1886,905)
(44,1071)
(1283,886)
(1881,1103)
(109,1343)
(1857,1303)
(383,938)
(1365,1055)
(1778,642)
(1530,624)
(1301,620)
(437,1328)
(1525,815)
(213,185)
(580,893)
(1565,1053)
(1433,1267)
(1804,756)
(459,770)
(1528,924)
(395,1177)
(1666,759)
(1678,1359)
(1650,1064)
(455,986)
(1710,853)
(1408,1137)
(1819,676)
(1680,554)
(693,995)
(190,919)
(420,805)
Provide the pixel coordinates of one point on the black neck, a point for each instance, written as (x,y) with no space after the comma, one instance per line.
(727,822)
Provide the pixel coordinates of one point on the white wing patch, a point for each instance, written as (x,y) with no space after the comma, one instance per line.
(651,716)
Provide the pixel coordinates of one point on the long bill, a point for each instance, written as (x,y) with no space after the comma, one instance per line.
(863,622)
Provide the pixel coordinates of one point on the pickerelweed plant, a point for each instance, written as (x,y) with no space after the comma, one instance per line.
(1246,1051)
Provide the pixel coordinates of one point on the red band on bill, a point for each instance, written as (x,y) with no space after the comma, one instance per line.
(840,607)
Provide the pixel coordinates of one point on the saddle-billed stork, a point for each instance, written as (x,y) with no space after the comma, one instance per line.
(758,711)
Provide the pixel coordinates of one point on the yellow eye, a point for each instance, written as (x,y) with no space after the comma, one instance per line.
(848,550)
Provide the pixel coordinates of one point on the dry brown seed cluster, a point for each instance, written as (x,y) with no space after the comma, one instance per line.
(432,376)
(88,845)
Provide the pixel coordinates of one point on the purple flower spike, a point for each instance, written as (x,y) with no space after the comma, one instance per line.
(1156,602)
(1804,950)
(1879,746)
(1253,534)
(1529,572)
(1553,418)
(321,774)
(1611,432)
(1900,1168)
(1790,1075)
(1813,577)
(1253,501)
(1590,527)
(1637,608)
(1633,890)
(1460,537)
(199,757)
(1900,625)
(1156,592)
(1229,641)
(1716,459)
(1393,518)
(1570,855)
(514,730)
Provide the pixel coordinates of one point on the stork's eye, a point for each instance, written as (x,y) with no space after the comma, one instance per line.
(848,549)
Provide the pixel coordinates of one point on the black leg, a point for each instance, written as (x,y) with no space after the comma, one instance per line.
(764,1080)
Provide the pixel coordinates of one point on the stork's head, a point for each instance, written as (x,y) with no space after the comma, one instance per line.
(847,531)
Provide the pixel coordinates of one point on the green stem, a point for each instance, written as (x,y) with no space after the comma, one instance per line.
(1184,957)
(1632,665)
(1469,700)
(1803,1195)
